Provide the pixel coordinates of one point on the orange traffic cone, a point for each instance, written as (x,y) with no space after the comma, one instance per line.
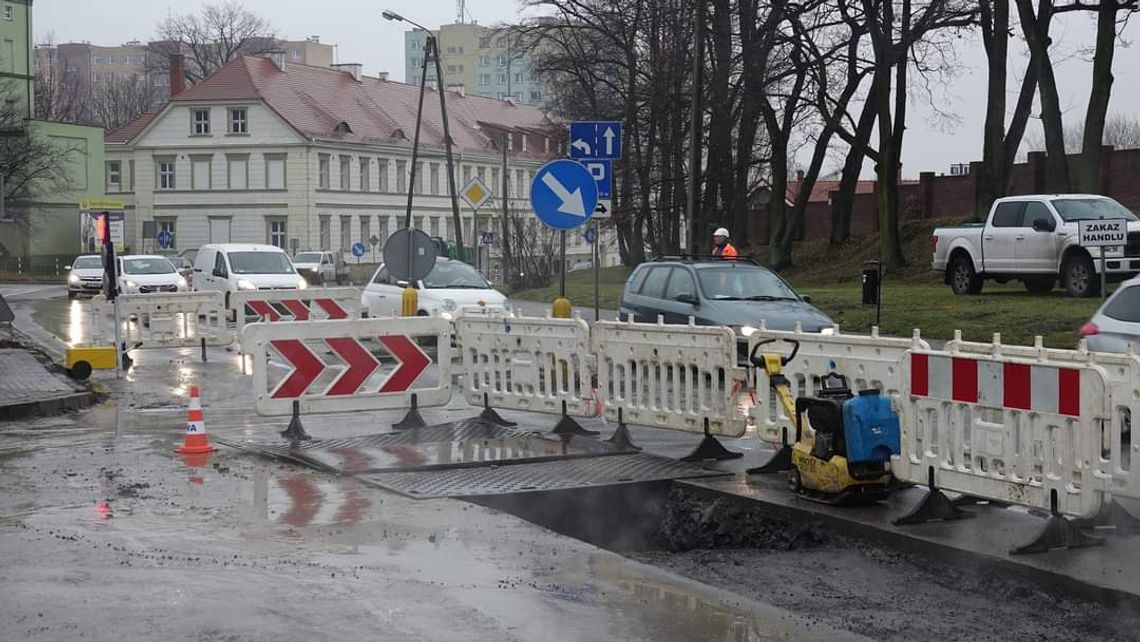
(196,439)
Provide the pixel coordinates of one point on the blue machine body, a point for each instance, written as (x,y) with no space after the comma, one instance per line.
(871,428)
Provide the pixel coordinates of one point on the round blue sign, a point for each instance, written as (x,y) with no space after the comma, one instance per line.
(563,194)
(165,239)
(591,235)
(358,249)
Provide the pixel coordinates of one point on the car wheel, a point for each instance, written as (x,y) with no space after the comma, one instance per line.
(72,295)
(963,278)
(1079,276)
(1040,284)
(795,482)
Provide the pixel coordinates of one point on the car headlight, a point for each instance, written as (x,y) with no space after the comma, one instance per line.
(828,331)
(448,305)
(181,282)
(73,278)
(302,284)
(746,330)
(245,284)
(446,316)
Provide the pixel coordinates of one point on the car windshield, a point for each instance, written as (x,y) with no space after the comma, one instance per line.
(260,263)
(147,266)
(1086,209)
(307,257)
(453,274)
(744,284)
(87,263)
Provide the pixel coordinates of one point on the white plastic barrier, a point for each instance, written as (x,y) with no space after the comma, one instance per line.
(1004,429)
(527,363)
(336,366)
(868,361)
(310,304)
(1119,447)
(163,320)
(670,376)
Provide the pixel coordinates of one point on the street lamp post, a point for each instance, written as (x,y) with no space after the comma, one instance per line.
(431,52)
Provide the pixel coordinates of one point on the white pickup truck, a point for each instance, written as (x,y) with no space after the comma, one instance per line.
(1034,239)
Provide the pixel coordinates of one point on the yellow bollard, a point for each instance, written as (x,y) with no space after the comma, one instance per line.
(561,308)
(409,302)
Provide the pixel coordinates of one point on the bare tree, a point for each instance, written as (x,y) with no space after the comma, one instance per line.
(210,39)
(117,101)
(1121,131)
(62,95)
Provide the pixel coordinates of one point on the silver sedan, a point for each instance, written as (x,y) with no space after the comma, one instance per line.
(1116,325)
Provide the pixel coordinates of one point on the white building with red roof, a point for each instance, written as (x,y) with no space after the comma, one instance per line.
(266,151)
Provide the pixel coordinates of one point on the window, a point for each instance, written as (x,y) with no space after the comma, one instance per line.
(501,95)
(654,285)
(114,176)
(435,178)
(525,144)
(275,231)
(484,61)
(365,229)
(416,62)
(9,12)
(451,50)
(382,170)
(239,120)
(345,233)
(200,172)
(483,175)
(325,233)
(680,283)
(1034,211)
(502,60)
(323,172)
(126,60)
(518,77)
(167,225)
(466,173)
(275,171)
(96,60)
(166,173)
(484,79)
(220,265)
(200,122)
(536,96)
(1124,305)
(345,172)
(452,69)
(729,282)
(401,176)
(296,53)
(111,59)
(1009,214)
(382,231)
(520,183)
(484,42)
(383,277)
(418,179)
(238,171)
(435,226)
(94,76)
(131,171)
(365,174)
(501,79)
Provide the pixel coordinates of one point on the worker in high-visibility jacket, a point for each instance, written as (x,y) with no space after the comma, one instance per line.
(721,247)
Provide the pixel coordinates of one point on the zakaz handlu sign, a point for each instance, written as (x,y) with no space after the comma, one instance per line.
(1103,232)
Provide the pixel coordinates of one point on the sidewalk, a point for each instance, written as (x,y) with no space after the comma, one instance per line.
(29,387)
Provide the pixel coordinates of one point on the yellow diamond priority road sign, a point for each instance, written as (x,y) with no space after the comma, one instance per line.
(475,193)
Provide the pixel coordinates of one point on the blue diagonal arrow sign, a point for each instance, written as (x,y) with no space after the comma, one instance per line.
(563,194)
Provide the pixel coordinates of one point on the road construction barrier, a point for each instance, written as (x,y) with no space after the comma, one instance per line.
(670,376)
(1119,449)
(868,361)
(1004,429)
(335,366)
(164,320)
(526,363)
(310,304)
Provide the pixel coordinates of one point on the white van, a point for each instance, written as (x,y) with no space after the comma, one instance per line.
(239,266)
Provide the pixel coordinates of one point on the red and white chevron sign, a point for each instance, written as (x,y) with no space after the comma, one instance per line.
(359,364)
(297,309)
(327,364)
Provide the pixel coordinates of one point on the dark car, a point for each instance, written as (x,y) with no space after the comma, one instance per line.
(739,294)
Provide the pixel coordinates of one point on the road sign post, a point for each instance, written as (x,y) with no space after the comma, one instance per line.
(1103,233)
(563,195)
(597,254)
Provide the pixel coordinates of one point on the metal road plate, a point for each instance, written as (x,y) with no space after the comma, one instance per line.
(521,478)
(462,444)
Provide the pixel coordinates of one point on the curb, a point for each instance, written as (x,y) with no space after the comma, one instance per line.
(50,406)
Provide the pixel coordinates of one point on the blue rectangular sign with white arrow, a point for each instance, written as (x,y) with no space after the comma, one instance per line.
(595,140)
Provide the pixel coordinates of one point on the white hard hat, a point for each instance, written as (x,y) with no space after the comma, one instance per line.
(721,231)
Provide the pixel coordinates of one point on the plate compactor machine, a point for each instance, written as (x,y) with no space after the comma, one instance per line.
(843,441)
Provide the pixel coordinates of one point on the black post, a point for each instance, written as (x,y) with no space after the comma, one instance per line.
(447,147)
(562,264)
(296,431)
(203,349)
(416,139)
(597,256)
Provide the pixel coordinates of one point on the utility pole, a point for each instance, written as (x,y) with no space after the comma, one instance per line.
(506,211)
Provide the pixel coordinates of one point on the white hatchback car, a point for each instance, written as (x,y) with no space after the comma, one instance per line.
(1116,325)
(451,287)
(145,274)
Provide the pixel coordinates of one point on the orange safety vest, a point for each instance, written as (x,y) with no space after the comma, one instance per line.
(725,252)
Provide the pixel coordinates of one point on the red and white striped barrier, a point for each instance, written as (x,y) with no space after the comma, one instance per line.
(310,304)
(998,384)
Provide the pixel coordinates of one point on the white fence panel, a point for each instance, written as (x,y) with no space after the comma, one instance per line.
(1010,430)
(868,361)
(344,365)
(527,363)
(310,304)
(163,320)
(670,376)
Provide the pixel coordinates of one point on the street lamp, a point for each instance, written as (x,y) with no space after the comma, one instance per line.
(431,53)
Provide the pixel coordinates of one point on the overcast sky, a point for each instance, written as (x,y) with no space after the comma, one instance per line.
(361,35)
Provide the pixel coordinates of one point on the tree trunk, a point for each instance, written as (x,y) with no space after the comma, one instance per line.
(887,185)
(844,202)
(993,179)
(1088,169)
(1036,30)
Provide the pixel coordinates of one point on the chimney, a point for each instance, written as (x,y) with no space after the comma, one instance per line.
(383,76)
(457,89)
(352,68)
(177,74)
(278,58)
